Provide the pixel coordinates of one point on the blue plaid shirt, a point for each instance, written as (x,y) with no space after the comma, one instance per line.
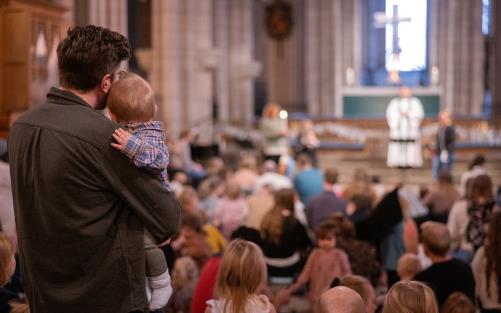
(146,148)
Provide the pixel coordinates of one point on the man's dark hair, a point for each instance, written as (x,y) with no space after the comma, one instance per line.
(87,54)
(331,175)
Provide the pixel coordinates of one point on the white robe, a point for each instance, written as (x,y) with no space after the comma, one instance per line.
(404,116)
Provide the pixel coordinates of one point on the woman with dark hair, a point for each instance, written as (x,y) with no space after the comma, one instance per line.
(283,237)
(468,219)
(441,197)
(475,168)
(487,268)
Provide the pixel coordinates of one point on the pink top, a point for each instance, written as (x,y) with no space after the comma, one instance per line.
(321,269)
(230,214)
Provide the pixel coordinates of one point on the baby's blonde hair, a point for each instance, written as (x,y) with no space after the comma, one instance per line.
(410,297)
(408,265)
(241,274)
(131,99)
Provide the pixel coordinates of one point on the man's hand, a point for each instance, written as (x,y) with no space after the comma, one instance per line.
(122,137)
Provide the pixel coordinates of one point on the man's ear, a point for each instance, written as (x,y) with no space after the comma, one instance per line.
(105,84)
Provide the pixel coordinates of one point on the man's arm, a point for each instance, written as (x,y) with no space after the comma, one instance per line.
(142,192)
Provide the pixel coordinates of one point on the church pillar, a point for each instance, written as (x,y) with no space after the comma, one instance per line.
(166,63)
(183,60)
(333,53)
(457,49)
(495,52)
(221,41)
(111,14)
(243,69)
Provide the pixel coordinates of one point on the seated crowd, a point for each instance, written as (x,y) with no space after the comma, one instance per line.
(295,240)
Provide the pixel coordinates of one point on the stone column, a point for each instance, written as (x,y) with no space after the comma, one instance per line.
(111,14)
(166,64)
(243,69)
(495,75)
(200,61)
(312,68)
(183,61)
(333,46)
(221,41)
(457,49)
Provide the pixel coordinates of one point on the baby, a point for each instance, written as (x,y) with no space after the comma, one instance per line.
(131,102)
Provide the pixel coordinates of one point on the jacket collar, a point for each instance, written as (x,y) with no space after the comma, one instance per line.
(69,97)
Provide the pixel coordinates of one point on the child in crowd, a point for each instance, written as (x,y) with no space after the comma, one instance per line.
(237,286)
(324,264)
(458,302)
(184,279)
(359,207)
(232,211)
(210,192)
(131,102)
(192,240)
(7,268)
(408,266)
(410,297)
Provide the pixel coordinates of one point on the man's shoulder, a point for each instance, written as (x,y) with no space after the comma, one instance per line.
(327,196)
(77,121)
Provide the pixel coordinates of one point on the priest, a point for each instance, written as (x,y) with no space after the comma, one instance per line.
(404,116)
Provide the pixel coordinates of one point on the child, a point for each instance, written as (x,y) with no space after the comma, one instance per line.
(408,266)
(323,265)
(7,268)
(232,211)
(241,275)
(410,297)
(131,102)
(184,280)
(458,302)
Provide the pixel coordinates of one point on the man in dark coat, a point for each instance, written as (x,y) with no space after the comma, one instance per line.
(80,204)
(445,145)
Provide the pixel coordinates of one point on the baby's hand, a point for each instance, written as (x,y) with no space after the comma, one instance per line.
(122,137)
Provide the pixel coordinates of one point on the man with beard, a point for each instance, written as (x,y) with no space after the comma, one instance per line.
(80,204)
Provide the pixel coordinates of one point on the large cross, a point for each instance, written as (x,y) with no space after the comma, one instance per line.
(381,20)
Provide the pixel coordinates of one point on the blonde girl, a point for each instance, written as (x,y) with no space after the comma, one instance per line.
(410,297)
(7,268)
(241,275)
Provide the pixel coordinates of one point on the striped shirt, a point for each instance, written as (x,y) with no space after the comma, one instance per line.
(146,148)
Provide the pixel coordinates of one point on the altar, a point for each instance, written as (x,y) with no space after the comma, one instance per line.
(371,102)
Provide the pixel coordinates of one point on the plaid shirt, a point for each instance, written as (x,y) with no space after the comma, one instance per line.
(146,148)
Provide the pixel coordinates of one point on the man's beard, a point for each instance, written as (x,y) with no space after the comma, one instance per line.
(101,102)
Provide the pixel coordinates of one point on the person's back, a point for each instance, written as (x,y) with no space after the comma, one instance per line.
(309,181)
(446,275)
(81,205)
(323,206)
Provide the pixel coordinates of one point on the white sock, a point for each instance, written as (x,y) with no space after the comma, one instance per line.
(161,290)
